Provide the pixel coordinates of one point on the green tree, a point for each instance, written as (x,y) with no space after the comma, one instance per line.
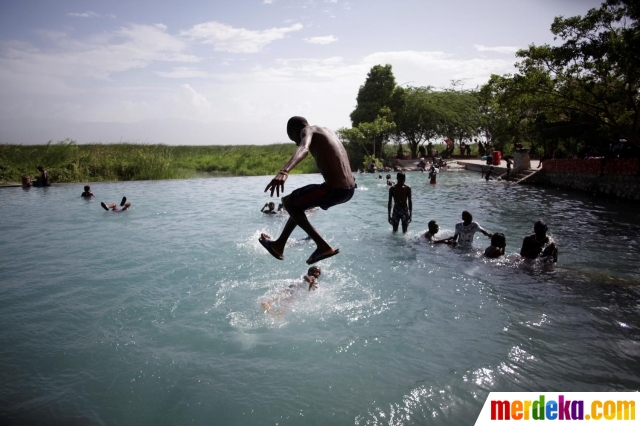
(374,94)
(362,141)
(594,75)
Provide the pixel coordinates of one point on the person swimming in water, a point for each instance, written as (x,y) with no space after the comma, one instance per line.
(498,244)
(271,206)
(539,245)
(114,207)
(309,281)
(389,181)
(430,235)
(87,192)
(338,186)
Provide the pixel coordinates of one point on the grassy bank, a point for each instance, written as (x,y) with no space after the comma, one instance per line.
(69,162)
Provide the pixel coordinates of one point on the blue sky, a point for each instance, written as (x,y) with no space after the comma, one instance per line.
(233,72)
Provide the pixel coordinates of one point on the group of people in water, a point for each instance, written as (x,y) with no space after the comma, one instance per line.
(338,188)
(535,246)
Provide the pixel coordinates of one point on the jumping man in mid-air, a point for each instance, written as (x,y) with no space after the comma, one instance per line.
(338,186)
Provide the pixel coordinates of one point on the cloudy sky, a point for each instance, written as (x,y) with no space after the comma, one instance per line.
(233,72)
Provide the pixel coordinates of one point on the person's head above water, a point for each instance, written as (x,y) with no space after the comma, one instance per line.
(498,240)
(294,127)
(87,188)
(467,217)
(388,176)
(433,227)
(272,205)
(314,271)
(401,177)
(540,228)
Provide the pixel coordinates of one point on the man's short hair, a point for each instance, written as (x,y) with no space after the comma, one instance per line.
(295,125)
(540,224)
(401,176)
(467,214)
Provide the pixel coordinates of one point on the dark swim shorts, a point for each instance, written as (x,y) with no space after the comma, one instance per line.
(321,196)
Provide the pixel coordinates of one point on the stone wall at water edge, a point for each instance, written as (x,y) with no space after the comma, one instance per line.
(618,177)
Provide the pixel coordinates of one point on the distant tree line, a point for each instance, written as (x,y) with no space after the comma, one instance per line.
(581,97)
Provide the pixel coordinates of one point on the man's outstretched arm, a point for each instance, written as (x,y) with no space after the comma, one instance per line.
(277,183)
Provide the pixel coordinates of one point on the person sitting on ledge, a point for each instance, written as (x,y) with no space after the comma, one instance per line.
(114,207)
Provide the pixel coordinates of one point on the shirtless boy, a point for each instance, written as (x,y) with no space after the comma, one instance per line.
(430,235)
(400,194)
(539,244)
(338,186)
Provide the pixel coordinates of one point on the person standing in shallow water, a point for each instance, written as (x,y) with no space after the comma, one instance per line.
(400,194)
(338,186)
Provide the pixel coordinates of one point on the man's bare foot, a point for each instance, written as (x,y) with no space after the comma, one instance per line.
(317,256)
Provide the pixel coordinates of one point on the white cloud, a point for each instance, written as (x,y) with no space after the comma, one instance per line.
(83,15)
(215,107)
(499,49)
(184,72)
(225,38)
(321,40)
(136,46)
(267,1)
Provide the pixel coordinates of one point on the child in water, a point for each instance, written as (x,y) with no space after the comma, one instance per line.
(498,244)
(430,235)
(309,281)
(271,206)
(114,207)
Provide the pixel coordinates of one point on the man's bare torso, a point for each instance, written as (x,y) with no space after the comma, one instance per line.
(400,194)
(331,158)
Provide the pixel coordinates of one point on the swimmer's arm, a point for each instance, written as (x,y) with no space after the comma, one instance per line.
(451,240)
(389,205)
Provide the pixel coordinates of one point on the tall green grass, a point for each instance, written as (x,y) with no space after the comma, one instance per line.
(67,161)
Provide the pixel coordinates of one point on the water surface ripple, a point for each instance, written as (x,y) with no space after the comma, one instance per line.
(153,316)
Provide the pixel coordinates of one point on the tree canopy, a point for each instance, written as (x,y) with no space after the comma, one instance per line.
(580,95)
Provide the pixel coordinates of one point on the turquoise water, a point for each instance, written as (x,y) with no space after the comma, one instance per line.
(153,316)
